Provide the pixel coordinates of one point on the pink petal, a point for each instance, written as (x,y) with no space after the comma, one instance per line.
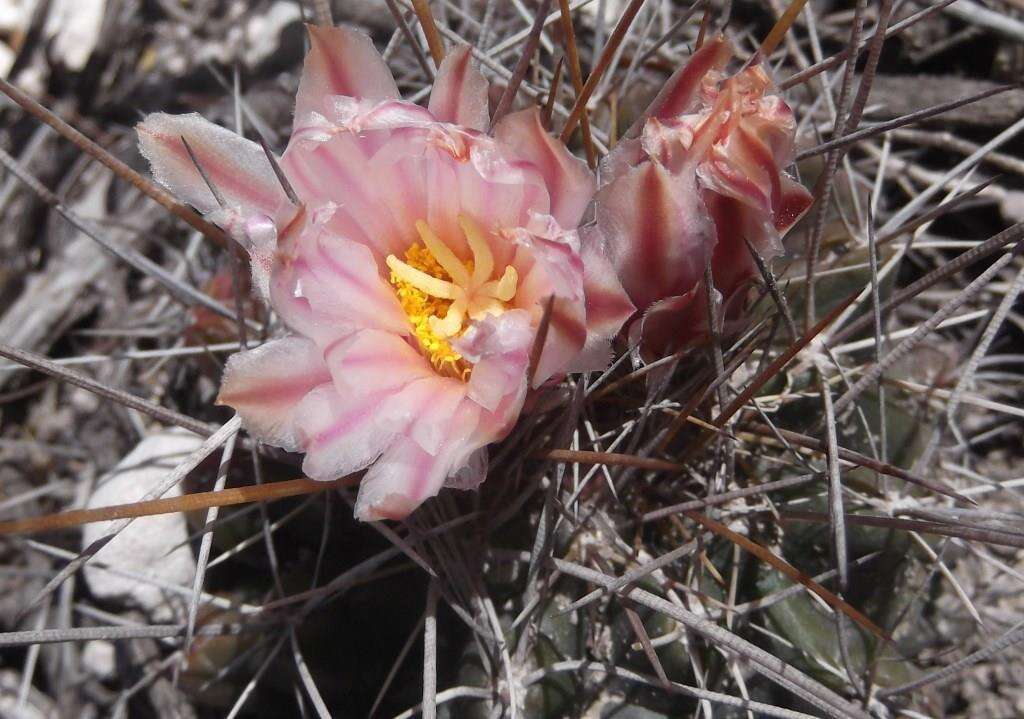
(471,474)
(401,167)
(567,336)
(657,231)
(341,279)
(676,322)
(459,95)
(352,172)
(406,474)
(672,323)
(383,181)
(496,424)
(285,288)
(794,202)
(499,348)
(443,206)
(489,383)
(335,171)
(413,178)
(775,125)
(375,361)
(423,410)
(237,167)
(744,168)
(438,430)
(400,480)
(339,433)
(501,167)
(341,61)
(341,114)
(499,204)
(293,282)
(680,94)
(608,306)
(567,329)
(266,384)
(731,262)
(549,264)
(569,181)
(627,154)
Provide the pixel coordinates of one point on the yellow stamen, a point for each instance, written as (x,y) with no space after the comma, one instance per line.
(443,254)
(440,293)
(503,289)
(421,307)
(421,280)
(452,322)
(483,260)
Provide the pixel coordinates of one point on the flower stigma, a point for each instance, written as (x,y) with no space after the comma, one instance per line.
(440,293)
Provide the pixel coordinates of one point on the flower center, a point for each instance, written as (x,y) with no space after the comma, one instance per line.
(440,293)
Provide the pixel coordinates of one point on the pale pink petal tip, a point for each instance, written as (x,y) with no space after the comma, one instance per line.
(459,95)
(407,474)
(471,474)
(569,181)
(401,480)
(341,61)
(266,385)
(339,433)
(237,167)
(681,93)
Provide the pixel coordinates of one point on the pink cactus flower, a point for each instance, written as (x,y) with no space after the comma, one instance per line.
(703,175)
(410,267)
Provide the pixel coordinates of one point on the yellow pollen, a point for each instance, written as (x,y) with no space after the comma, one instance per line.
(440,293)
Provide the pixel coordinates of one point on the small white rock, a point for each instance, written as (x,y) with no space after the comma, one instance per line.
(263,32)
(154,546)
(99,657)
(83,400)
(36,706)
(6,59)
(75,27)
(1012,206)
(15,15)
